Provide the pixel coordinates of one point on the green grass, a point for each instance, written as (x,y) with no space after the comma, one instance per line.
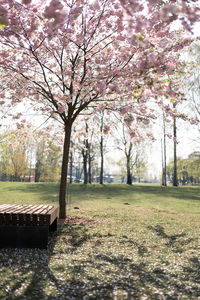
(124,242)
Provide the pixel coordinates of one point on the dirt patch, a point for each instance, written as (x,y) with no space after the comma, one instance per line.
(77,220)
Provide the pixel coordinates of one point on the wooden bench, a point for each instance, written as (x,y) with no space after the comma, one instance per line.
(26,226)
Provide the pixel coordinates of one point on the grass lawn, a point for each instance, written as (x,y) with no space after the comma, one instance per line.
(123,242)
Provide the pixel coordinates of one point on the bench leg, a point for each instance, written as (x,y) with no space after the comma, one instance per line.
(53,226)
(24,236)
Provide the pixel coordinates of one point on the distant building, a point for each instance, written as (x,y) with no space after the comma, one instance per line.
(28,178)
(106,179)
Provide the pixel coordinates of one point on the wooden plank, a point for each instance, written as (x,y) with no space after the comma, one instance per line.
(9,213)
(37,220)
(9,208)
(3,207)
(48,216)
(13,209)
(39,211)
(45,211)
(22,215)
(37,215)
(16,208)
(53,213)
(25,214)
(2,215)
(26,208)
(15,214)
(30,217)
(34,208)
(43,216)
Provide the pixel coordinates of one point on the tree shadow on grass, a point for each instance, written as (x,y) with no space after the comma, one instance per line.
(26,270)
(175,241)
(101,275)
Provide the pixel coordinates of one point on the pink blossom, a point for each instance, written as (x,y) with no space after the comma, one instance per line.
(169,135)
(95,5)
(101,86)
(132,133)
(69,99)
(194,122)
(106,129)
(26,1)
(61,109)
(146,121)
(124,109)
(129,119)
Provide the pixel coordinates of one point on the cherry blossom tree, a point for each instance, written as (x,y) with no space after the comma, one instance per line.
(131,139)
(64,56)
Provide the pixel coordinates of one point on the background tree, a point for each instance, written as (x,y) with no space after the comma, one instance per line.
(47,155)
(13,159)
(191,84)
(188,170)
(132,145)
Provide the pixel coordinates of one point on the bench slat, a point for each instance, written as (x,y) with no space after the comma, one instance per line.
(53,213)
(36,215)
(9,208)
(5,216)
(3,207)
(31,215)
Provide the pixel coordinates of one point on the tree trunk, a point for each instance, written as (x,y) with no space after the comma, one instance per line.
(128,170)
(164,171)
(30,165)
(175,179)
(37,171)
(128,153)
(63,181)
(102,161)
(85,173)
(85,156)
(89,166)
(71,167)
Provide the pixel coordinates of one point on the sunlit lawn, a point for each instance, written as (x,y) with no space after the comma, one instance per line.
(121,242)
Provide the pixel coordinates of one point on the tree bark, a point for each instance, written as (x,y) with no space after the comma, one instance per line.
(85,156)
(128,164)
(89,165)
(63,181)
(85,173)
(164,171)
(128,168)
(102,161)
(101,150)
(37,171)
(175,179)
(71,167)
